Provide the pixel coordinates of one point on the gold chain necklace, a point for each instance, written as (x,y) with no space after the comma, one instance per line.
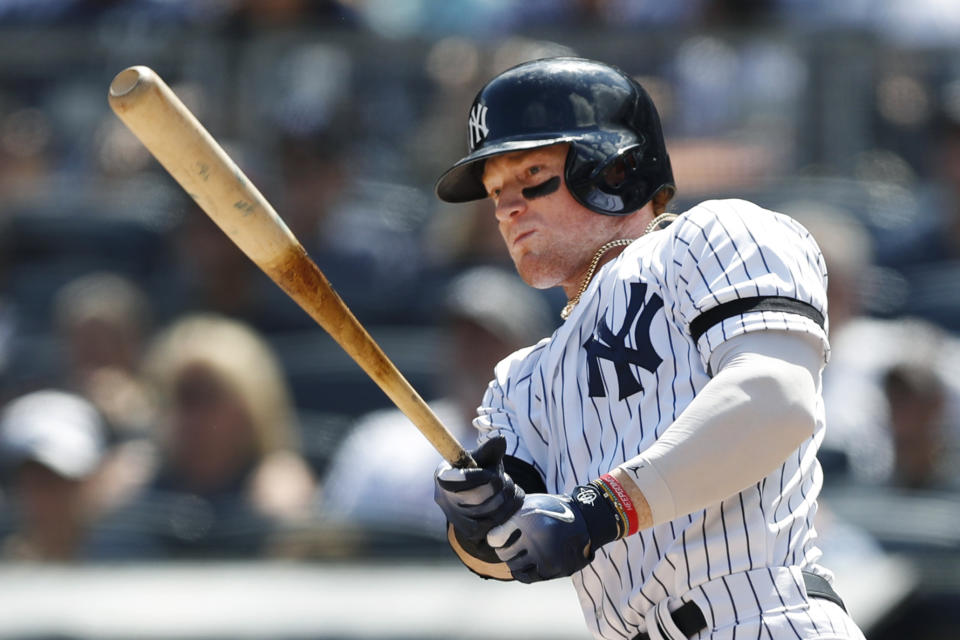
(659,222)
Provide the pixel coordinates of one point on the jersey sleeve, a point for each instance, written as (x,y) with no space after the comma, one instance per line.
(510,409)
(737,268)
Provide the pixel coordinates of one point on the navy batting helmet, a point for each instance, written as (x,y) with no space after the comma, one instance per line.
(617,160)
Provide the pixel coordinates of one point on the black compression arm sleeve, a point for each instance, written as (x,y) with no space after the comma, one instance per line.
(524,474)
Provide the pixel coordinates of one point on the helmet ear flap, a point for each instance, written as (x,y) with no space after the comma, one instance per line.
(621,170)
(616,187)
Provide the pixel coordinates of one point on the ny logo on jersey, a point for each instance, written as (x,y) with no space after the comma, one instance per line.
(611,346)
(477,125)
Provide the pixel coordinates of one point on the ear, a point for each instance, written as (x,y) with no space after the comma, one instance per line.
(661,198)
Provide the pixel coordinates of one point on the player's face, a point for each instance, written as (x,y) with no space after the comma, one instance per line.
(550,236)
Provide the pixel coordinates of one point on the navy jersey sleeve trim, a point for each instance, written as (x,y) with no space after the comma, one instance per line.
(702,323)
(524,474)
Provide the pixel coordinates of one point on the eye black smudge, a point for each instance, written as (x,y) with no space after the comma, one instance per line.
(545,188)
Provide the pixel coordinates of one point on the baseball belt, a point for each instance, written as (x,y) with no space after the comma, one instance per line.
(689,619)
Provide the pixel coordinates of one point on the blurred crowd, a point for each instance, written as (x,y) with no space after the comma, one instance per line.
(162,399)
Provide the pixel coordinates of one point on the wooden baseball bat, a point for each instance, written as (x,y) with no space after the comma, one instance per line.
(144,102)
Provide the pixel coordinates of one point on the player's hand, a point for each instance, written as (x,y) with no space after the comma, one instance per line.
(476,500)
(553,536)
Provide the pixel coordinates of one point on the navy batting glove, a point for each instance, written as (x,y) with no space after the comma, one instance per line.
(553,536)
(476,500)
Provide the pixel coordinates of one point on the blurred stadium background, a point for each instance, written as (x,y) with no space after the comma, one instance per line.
(118,292)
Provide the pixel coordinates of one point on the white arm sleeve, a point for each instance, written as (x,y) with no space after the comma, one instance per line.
(758,408)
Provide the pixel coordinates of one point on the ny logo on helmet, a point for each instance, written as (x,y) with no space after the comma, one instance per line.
(478,125)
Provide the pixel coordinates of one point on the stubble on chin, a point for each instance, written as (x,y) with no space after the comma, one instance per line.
(538,271)
(526,267)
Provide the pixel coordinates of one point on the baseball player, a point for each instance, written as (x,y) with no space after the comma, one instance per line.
(660,447)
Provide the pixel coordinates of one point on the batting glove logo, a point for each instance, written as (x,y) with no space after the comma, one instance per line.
(586,495)
(563,515)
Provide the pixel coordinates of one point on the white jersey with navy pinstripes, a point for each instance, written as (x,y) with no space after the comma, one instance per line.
(625,364)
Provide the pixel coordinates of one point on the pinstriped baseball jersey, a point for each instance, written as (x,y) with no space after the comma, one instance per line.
(628,360)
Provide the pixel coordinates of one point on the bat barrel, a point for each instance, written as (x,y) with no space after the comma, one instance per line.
(150,109)
(144,102)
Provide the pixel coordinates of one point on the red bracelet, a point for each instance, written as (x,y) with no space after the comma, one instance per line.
(626,504)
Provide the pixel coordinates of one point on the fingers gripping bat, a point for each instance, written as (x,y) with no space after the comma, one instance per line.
(147,106)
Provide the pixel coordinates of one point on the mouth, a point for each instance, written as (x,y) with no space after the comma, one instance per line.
(523,236)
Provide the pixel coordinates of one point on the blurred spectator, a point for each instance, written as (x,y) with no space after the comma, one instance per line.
(213,274)
(380,477)
(862,441)
(362,236)
(917,399)
(930,260)
(26,153)
(372,237)
(880,354)
(51,444)
(103,320)
(229,474)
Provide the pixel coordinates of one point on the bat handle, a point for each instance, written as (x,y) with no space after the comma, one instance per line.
(465,461)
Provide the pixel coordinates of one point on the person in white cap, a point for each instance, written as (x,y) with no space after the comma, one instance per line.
(51,444)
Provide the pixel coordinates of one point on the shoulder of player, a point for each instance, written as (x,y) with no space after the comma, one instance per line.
(703,220)
(730,218)
(709,212)
(520,363)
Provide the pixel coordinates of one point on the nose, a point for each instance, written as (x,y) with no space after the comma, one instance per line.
(511,204)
